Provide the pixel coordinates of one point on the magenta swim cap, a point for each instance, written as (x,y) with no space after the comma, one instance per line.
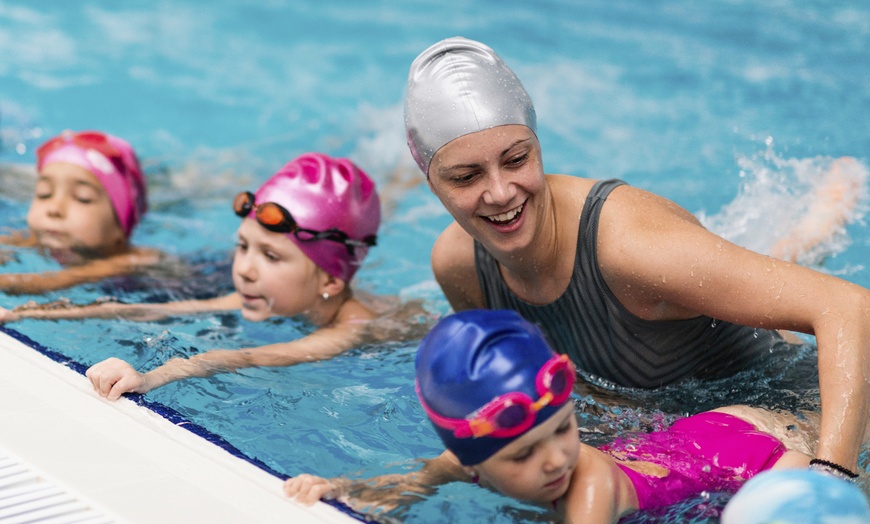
(324,193)
(110,159)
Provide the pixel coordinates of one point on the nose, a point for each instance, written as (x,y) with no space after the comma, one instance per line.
(556,456)
(244,266)
(500,189)
(55,205)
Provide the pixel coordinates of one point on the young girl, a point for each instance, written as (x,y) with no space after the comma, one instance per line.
(498,397)
(303,236)
(90,195)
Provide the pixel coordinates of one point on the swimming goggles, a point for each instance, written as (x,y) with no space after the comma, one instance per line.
(85,139)
(512,413)
(275,218)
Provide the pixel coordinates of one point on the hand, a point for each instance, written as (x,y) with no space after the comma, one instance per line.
(7,315)
(113,377)
(308,489)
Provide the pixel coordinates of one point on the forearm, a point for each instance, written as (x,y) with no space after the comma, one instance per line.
(401,489)
(844,384)
(198,366)
(64,310)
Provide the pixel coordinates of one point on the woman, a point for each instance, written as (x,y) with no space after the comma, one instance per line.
(627,283)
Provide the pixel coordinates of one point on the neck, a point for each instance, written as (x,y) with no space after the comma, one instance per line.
(326,311)
(536,272)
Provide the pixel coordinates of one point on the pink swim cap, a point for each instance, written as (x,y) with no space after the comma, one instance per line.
(324,193)
(110,159)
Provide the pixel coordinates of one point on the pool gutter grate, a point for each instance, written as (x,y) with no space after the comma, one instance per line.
(28,497)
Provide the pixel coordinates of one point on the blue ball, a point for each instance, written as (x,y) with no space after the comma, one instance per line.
(797,496)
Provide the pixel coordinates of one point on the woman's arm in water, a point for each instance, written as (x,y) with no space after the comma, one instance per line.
(662,265)
(138,312)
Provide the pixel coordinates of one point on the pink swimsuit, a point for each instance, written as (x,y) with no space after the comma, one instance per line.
(707,452)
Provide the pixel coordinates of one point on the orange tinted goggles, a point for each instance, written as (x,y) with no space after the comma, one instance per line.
(274,217)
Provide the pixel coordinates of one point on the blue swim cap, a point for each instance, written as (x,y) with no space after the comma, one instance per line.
(797,496)
(472,358)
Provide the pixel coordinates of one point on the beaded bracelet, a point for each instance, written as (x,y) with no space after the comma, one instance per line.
(831,468)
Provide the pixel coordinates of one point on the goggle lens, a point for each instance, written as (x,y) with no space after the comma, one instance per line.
(513,413)
(512,416)
(275,218)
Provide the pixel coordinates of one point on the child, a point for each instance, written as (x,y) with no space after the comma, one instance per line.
(498,397)
(90,195)
(286,263)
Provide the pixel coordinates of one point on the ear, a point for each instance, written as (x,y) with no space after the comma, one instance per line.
(331,285)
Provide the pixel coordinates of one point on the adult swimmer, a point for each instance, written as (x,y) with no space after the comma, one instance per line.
(626,283)
(90,194)
(499,399)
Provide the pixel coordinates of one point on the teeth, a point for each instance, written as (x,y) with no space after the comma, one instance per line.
(505,217)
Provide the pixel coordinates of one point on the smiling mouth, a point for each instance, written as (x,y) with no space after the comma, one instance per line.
(508,217)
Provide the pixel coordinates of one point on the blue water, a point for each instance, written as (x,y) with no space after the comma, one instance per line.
(694,101)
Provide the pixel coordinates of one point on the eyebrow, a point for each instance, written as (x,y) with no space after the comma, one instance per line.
(503,153)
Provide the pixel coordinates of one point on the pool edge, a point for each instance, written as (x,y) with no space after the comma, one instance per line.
(126,460)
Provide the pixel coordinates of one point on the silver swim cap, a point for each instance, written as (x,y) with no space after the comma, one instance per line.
(456,87)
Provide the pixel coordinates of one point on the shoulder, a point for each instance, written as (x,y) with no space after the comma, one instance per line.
(599,491)
(453,251)
(454,269)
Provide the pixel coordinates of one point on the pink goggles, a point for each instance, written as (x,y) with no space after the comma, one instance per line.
(512,413)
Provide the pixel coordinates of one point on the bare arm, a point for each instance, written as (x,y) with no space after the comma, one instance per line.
(662,265)
(113,377)
(92,271)
(18,239)
(138,312)
(385,492)
(453,265)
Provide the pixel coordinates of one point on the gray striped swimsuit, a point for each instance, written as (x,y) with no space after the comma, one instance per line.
(605,340)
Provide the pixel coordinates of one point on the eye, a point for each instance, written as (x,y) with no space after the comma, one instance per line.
(464,178)
(564,428)
(271,256)
(85,194)
(522,455)
(43,190)
(241,246)
(518,160)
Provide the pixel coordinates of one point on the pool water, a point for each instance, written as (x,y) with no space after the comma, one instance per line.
(730,108)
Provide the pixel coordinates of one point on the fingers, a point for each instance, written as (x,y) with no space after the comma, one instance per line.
(7,315)
(308,489)
(113,377)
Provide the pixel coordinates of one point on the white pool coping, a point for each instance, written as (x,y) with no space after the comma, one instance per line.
(126,461)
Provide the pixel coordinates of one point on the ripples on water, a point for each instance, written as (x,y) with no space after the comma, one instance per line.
(731,109)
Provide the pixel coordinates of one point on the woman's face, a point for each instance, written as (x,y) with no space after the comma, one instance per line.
(490,182)
(71,211)
(272,275)
(538,466)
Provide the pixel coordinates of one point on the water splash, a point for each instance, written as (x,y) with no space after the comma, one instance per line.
(795,208)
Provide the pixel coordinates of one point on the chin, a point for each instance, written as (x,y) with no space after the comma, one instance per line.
(254,316)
